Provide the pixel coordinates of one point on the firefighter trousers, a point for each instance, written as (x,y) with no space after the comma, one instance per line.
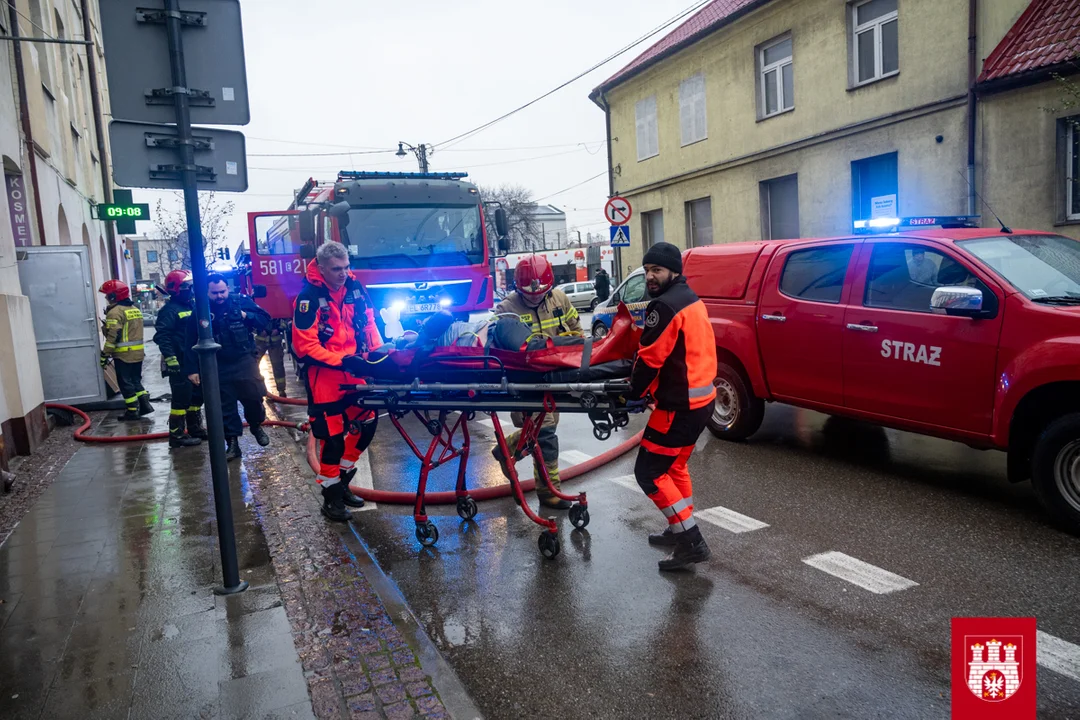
(341,450)
(660,469)
(241,383)
(548,441)
(129,378)
(186,396)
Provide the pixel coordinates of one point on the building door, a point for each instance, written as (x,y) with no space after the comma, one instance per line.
(652,228)
(874,187)
(780,208)
(57,281)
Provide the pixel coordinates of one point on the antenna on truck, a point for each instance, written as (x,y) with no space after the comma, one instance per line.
(1004,228)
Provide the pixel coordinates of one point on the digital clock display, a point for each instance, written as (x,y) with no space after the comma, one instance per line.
(139,211)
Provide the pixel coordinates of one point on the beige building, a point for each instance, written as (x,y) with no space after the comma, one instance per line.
(52,154)
(765,119)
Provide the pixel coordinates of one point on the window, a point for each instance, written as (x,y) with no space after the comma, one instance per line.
(699,222)
(780,208)
(692,109)
(40,51)
(903,276)
(816,274)
(1040,266)
(648,134)
(652,228)
(155,278)
(875,48)
(776,80)
(1071,127)
(151,256)
(173,256)
(634,290)
(873,187)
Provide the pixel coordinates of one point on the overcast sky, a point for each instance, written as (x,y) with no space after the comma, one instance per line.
(336,75)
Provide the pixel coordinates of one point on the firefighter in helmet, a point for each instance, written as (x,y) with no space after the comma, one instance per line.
(272,341)
(546,311)
(123,329)
(185,415)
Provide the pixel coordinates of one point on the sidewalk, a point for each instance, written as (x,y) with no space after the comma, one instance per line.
(107,609)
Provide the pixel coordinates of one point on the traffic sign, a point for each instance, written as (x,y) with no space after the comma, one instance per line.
(144,156)
(620,236)
(618,211)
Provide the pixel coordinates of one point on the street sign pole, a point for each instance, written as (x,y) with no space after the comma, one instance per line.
(206,347)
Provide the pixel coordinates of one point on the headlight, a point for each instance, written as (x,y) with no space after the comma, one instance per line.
(445,302)
(398,305)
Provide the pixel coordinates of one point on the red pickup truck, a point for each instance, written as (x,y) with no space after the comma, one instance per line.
(967,334)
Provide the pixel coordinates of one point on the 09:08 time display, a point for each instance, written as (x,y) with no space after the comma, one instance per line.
(132,212)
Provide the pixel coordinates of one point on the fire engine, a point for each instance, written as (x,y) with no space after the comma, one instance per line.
(419,243)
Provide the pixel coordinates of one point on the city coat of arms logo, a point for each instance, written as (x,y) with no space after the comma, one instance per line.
(994,671)
(994,666)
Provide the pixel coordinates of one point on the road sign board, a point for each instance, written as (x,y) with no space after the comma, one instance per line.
(137,61)
(144,156)
(618,211)
(620,236)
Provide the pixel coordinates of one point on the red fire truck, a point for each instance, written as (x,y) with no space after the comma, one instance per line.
(419,242)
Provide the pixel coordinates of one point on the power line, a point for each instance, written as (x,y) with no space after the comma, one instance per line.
(470,167)
(346,153)
(696,6)
(601,174)
(328,154)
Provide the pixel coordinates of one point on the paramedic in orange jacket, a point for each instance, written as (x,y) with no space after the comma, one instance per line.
(332,321)
(676,364)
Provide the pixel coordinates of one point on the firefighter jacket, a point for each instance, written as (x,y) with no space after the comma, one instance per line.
(329,326)
(234,332)
(123,330)
(274,332)
(553,317)
(676,361)
(171,333)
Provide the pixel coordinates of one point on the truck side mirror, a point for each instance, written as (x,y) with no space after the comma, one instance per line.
(341,212)
(957,300)
(504,245)
(502,224)
(307,251)
(306,222)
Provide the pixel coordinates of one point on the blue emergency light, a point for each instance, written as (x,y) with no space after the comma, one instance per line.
(366,175)
(892,224)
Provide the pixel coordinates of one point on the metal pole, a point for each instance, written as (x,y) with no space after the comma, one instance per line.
(206,348)
(422,156)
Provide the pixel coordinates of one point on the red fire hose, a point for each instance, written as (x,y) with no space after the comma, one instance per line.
(81,436)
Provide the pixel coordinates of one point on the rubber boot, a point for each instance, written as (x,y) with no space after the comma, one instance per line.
(130,415)
(281,388)
(334,504)
(690,548)
(232,450)
(177,437)
(543,494)
(663,539)
(195,427)
(260,435)
(348,497)
(145,408)
(511,442)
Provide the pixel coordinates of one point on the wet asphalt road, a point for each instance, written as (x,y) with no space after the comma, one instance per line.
(755,632)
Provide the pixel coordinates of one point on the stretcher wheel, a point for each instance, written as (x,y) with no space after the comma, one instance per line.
(601,432)
(466,508)
(427,534)
(433,427)
(549,544)
(579,516)
(588,400)
(621,420)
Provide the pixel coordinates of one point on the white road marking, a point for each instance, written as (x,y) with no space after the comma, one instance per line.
(363,479)
(729,519)
(627,481)
(1058,655)
(573,457)
(857,572)
(702,442)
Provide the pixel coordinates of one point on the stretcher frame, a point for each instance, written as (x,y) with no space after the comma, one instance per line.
(434,403)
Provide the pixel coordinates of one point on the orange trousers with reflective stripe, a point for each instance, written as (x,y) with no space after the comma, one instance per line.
(661,470)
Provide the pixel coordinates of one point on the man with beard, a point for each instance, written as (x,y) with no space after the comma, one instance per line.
(676,364)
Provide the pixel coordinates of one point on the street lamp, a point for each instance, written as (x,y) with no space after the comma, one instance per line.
(421,153)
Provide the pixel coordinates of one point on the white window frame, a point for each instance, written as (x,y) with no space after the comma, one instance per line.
(647,129)
(873,26)
(778,68)
(692,101)
(1071,130)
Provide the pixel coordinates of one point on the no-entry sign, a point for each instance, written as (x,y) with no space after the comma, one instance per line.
(618,211)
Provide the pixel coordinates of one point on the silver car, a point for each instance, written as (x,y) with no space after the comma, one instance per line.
(582,294)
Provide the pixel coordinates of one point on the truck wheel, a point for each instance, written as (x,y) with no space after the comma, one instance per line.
(737,414)
(1055,471)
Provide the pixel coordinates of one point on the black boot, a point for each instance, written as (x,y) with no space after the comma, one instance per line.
(348,497)
(195,427)
(260,435)
(145,408)
(281,388)
(333,503)
(177,437)
(130,415)
(232,450)
(690,548)
(663,539)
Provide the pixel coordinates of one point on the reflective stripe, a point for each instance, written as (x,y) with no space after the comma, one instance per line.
(141,392)
(679,506)
(669,511)
(183,314)
(194,408)
(133,400)
(125,347)
(347,464)
(678,527)
(174,411)
(327,481)
(702,391)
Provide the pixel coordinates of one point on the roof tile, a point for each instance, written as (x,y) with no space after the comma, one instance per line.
(1047,34)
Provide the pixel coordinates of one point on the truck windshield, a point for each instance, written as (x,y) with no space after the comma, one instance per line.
(1039,266)
(414,236)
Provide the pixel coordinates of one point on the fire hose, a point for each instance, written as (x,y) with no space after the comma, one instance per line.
(81,436)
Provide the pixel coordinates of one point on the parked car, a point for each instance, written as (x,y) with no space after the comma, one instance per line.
(632,292)
(969,334)
(582,294)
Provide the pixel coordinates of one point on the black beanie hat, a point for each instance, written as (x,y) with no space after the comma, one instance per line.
(665,255)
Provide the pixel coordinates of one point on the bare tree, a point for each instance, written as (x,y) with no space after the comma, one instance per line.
(525,232)
(171,222)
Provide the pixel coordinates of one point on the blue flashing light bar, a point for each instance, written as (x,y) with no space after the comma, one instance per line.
(365,175)
(892,224)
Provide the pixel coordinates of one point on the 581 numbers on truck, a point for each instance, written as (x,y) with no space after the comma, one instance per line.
(281,267)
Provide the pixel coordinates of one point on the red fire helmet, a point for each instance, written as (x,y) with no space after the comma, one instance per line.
(534,278)
(115,291)
(175,279)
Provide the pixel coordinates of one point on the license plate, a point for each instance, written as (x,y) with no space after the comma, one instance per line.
(422,308)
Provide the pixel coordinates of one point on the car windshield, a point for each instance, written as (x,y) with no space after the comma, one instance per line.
(1039,266)
(414,237)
